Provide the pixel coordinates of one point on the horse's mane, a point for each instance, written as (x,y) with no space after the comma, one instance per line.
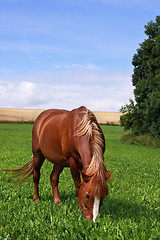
(96,173)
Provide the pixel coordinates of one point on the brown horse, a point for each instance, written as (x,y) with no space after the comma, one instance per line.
(69,139)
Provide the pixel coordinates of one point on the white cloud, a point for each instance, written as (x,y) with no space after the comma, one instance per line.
(76,66)
(67,89)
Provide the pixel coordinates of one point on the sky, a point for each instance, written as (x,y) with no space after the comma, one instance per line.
(68,53)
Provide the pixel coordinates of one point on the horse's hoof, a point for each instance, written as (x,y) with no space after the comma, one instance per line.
(35,198)
(58,202)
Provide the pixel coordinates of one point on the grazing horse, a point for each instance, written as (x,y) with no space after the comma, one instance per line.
(69,139)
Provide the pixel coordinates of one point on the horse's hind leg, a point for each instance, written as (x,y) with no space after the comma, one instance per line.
(38,160)
(57,169)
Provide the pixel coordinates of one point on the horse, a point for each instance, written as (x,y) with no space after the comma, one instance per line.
(69,139)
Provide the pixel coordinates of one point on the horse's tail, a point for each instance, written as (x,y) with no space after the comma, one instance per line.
(21,174)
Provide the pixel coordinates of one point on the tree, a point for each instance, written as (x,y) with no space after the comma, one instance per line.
(143,115)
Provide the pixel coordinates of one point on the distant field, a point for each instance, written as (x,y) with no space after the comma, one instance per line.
(131,211)
(29,115)
(18,114)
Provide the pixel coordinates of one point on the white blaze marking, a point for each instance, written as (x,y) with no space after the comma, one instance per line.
(95,208)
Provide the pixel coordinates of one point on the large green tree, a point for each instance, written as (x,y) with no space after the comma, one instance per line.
(143,115)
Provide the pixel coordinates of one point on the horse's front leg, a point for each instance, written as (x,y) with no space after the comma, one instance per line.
(75,174)
(57,169)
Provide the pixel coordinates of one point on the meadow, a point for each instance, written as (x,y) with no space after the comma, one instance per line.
(130,211)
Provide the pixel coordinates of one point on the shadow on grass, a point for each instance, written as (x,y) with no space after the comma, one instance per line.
(119,209)
(65,197)
(116,208)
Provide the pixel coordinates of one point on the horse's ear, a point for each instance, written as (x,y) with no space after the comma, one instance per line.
(85,177)
(109,175)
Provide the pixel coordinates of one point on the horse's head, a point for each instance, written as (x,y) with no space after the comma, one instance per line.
(88,203)
(90,196)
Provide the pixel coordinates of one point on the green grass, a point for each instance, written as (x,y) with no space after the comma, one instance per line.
(131,210)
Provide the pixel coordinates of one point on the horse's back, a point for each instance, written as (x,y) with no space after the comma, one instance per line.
(46,116)
(49,113)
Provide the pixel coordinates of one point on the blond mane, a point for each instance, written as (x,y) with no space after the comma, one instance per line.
(96,171)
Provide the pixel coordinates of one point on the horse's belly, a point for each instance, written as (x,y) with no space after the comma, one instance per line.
(58,160)
(55,156)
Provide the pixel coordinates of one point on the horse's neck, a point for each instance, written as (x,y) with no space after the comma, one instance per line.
(84,150)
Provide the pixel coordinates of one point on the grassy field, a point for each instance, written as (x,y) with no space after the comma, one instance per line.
(131,210)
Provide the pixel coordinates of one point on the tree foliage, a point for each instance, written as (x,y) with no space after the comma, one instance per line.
(143,114)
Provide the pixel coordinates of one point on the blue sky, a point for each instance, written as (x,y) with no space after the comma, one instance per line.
(67,53)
